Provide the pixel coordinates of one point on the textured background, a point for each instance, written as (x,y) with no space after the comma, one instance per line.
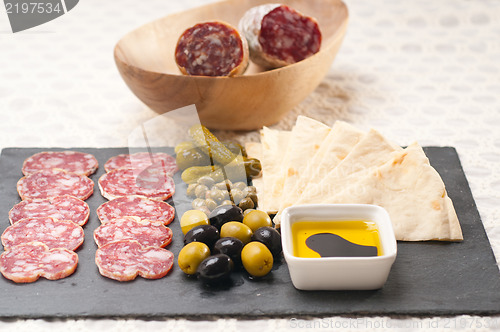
(423,70)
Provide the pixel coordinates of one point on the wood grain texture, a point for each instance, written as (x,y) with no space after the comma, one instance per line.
(145,60)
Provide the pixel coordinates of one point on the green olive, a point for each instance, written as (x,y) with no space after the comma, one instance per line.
(238,230)
(257,259)
(257,219)
(247,211)
(192,218)
(191,255)
(246,203)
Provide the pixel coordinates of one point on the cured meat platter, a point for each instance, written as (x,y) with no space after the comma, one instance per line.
(428,278)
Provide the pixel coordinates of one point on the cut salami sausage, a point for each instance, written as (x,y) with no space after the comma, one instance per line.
(278,35)
(157,162)
(212,49)
(124,182)
(71,161)
(54,233)
(54,182)
(30,261)
(146,232)
(60,207)
(138,206)
(126,259)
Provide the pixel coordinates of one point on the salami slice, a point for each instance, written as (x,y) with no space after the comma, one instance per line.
(146,232)
(54,233)
(124,182)
(157,162)
(138,206)
(211,49)
(124,260)
(54,182)
(30,261)
(278,35)
(71,161)
(60,207)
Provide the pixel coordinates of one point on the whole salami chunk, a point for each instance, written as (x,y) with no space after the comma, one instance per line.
(124,182)
(124,260)
(211,49)
(138,206)
(54,182)
(71,161)
(278,35)
(63,207)
(54,233)
(29,261)
(157,162)
(146,232)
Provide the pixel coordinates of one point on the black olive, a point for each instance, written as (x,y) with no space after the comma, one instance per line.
(207,234)
(225,213)
(230,246)
(215,268)
(270,238)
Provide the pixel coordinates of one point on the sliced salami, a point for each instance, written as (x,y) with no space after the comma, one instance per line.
(157,162)
(146,232)
(124,182)
(71,161)
(126,259)
(54,182)
(278,35)
(138,206)
(30,261)
(212,49)
(54,233)
(64,207)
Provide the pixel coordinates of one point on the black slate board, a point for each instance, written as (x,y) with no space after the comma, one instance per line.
(427,279)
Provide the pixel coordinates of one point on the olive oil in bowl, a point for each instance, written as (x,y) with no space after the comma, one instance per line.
(340,238)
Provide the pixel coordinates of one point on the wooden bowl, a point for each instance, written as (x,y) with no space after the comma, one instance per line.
(145,60)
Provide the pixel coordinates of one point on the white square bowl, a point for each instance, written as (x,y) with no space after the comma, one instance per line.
(339,273)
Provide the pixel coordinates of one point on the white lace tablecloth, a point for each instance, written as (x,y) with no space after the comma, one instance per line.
(423,70)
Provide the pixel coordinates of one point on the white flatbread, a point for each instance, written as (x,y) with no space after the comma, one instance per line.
(335,147)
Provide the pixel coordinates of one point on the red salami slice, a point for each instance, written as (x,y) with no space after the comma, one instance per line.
(54,233)
(54,182)
(30,261)
(71,161)
(157,162)
(124,260)
(146,232)
(211,49)
(124,182)
(278,35)
(60,207)
(138,206)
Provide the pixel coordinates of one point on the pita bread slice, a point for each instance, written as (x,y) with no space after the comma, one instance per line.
(411,191)
(335,147)
(307,137)
(371,151)
(273,149)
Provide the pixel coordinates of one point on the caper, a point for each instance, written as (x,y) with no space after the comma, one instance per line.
(250,189)
(237,195)
(224,185)
(206,181)
(204,209)
(246,203)
(200,191)
(210,204)
(215,194)
(197,202)
(239,185)
(190,191)
(253,197)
